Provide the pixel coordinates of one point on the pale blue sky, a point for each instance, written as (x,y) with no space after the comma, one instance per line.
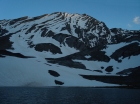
(115,13)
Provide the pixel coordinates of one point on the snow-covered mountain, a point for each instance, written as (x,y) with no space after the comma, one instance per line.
(62,49)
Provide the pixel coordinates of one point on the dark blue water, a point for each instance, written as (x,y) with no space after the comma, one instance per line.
(67,95)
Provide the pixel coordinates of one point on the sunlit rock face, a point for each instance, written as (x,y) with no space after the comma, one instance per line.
(62,49)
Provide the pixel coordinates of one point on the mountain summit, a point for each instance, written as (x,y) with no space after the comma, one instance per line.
(68,50)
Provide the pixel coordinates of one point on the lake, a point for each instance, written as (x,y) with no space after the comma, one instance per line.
(68,95)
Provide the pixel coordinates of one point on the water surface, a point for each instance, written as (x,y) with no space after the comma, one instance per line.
(68,95)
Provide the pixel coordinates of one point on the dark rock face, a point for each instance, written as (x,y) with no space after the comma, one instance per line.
(102,67)
(121,80)
(43,34)
(130,71)
(99,55)
(109,69)
(124,35)
(67,27)
(71,41)
(2,31)
(7,53)
(47,34)
(5,43)
(31,28)
(48,47)
(17,20)
(2,56)
(58,82)
(68,63)
(33,19)
(132,49)
(53,73)
(60,37)
(135,72)
(74,42)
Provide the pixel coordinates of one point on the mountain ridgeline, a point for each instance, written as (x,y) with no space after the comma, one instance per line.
(66,47)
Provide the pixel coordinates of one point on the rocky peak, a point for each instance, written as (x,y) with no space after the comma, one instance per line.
(85,28)
(122,35)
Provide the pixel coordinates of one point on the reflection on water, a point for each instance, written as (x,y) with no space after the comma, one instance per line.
(67,95)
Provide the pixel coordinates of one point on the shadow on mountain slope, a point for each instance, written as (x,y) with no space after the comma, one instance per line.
(4,53)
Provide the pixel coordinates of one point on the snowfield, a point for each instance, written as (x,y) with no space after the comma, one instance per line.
(62,49)
(34,72)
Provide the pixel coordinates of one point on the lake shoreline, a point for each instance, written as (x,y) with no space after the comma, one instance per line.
(126,87)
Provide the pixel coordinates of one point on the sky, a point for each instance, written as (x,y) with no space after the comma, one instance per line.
(115,13)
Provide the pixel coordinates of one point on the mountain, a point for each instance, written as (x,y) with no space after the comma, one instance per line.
(62,49)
